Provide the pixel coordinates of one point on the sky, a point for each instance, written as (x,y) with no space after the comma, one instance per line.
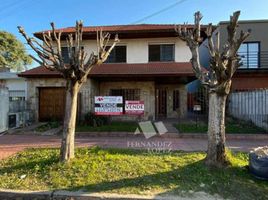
(36,15)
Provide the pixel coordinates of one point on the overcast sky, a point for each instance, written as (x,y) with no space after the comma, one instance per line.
(35,15)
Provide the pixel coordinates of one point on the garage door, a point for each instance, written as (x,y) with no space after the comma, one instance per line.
(51,104)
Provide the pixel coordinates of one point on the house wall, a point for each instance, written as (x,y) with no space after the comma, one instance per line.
(250,81)
(137,49)
(19,86)
(182,110)
(258,33)
(147,94)
(93,88)
(33,92)
(148,91)
(89,89)
(3,109)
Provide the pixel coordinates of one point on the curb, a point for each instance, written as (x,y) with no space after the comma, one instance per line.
(122,134)
(228,136)
(171,135)
(67,195)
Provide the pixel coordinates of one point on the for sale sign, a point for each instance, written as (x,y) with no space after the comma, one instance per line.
(108,105)
(134,107)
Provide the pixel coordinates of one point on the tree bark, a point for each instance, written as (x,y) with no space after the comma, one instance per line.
(216,154)
(67,143)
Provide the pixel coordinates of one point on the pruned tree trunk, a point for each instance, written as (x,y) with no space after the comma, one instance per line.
(67,143)
(216,155)
(223,64)
(75,72)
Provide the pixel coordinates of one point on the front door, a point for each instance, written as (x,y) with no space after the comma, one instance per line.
(161,103)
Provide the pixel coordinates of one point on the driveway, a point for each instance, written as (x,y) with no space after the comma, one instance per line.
(11,144)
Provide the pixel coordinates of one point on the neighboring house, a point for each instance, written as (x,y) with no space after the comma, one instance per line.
(249,95)
(150,63)
(14,94)
(254,51)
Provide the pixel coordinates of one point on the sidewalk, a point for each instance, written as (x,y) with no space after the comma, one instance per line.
(11,144)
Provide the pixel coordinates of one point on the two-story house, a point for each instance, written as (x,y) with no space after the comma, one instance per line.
(150,64)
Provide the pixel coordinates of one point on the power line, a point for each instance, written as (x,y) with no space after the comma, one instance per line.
(12,4)
(158,12)
(19,8)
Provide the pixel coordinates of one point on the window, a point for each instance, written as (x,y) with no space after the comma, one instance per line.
(249,52)
(117,55)
(127,94)
(162,52)
(16,95)
(17,101)
(65,53)
(176,100)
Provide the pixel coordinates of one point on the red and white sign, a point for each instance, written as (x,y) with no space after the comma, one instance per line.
(134,107)
(108,105)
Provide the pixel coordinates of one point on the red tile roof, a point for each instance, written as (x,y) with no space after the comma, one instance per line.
(115,28)
(124,69)
(125,30)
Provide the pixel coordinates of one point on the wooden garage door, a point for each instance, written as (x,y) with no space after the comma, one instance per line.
(51,104)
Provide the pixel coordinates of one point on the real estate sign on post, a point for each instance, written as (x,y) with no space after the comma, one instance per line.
(108,105)
(134,107)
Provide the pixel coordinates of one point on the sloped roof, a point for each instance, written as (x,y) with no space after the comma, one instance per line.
(126,31)
(132,27)
(123,70)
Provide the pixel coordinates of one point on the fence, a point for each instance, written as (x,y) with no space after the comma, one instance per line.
(197,104)
(250,106)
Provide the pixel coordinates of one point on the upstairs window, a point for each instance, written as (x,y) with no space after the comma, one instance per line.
(250,55)
(65,53)
(162,52)
(117,55)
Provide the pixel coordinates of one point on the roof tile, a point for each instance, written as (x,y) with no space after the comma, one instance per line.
(124,69)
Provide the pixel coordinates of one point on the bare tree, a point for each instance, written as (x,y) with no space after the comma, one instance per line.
(217,79)
(75,72)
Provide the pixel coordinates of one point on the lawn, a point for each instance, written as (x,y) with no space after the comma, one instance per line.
(130,172)
(113,127)
(231,127)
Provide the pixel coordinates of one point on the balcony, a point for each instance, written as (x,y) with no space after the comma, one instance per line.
(254,60)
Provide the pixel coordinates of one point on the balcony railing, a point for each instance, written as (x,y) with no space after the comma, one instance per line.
(254,59)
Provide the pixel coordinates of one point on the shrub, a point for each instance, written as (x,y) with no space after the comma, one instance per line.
(94,120)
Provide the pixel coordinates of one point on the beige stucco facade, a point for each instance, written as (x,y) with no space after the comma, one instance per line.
(137,49)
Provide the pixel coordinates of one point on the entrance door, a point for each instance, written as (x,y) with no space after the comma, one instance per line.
(161,103)
(51,103)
